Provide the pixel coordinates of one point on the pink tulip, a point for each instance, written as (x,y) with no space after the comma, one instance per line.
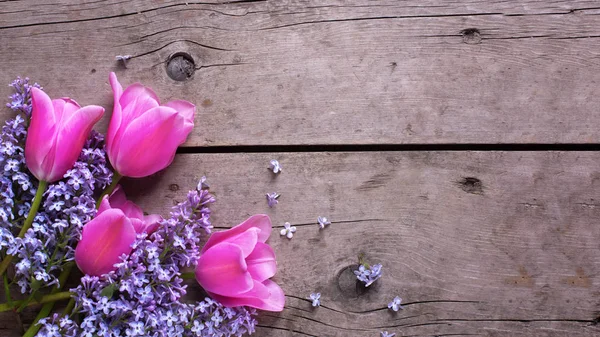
(142,223)
(236,264)
(56,135)
(143,135)
(111,233)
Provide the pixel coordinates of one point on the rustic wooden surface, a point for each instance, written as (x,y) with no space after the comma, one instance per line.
(481,243)
(330,71)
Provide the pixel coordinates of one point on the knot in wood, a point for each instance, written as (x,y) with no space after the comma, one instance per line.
(471,36)
(348,285)
(181,66)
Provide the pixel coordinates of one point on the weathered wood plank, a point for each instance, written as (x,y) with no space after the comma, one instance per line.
(330,72)
(483,243)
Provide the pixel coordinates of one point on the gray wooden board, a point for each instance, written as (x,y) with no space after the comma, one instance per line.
(480,243)
(329,72)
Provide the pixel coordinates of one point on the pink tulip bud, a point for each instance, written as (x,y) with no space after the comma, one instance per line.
(111,233)
(56,135)
(143,135)
(236,264)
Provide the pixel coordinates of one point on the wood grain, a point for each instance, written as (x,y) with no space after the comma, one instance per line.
(476,243)
(298,72)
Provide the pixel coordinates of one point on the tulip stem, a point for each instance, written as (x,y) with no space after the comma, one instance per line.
(37,200)
(45,299)
(47,308)
(115,180)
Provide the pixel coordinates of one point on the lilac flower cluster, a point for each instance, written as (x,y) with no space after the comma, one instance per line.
(367,274)
(143,296)
(68,204)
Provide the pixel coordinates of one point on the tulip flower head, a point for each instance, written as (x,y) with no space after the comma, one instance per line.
(143,135)
(236,266)
(111,233)
(56,135)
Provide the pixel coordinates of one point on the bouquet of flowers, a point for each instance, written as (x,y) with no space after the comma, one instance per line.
(62,206)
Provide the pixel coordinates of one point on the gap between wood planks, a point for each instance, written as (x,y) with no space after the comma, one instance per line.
(388,148)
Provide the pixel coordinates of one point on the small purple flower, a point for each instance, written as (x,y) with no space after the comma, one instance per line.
(386,334)
(395,304)
(123,59)
(275,167)
(323,222)
(368,275)
(272,199)
(315,298)
(203,185)
(288,230)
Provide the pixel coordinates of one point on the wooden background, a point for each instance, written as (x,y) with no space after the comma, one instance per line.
(451,141)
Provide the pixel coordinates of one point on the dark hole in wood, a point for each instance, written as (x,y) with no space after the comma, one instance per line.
(471,185)
(174,187)
(471,35)
(181,66)
(348,284)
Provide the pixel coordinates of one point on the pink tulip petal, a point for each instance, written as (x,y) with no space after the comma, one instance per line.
(149,143)
(138,225)
(259,290)
(260,221)
(103,241)
(185,108)
(104,205)
(227,262)
(135,101)
(275,301)
(115,119)
(246,240)
(151,223)
(64,108)
(261,262)
(132,210)
(117,198)
(70,140)
(41,134)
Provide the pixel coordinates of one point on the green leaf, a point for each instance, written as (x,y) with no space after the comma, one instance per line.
(109,290)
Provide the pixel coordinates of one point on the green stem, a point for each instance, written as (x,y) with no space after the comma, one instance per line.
(188,276)
(115,180)
(45,299)
(69,307)
(47,308)
(37,200)
(7,292)
(26,302)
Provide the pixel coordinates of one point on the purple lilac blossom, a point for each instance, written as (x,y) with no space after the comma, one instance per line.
(316,299)
(67,204)
(368,275)
(323,222)
(386,334)
(395,304)
(275,166)
(272,199)
(143,297)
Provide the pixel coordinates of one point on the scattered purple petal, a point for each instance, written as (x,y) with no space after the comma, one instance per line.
(272,199)
(288,230)
(323,222)
(315,298)
(386,334)
(395,304)
(275,166)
